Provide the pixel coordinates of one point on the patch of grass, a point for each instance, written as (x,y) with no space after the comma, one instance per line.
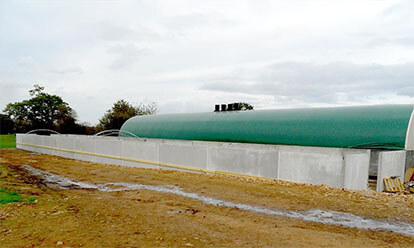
(9,196)
(8,141)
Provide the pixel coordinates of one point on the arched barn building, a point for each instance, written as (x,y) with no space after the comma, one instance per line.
(383,127)
(347,147)
(372,128)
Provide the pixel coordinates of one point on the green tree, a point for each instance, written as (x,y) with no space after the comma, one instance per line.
(121,111)
(42,110)
(6,124)
(245,106)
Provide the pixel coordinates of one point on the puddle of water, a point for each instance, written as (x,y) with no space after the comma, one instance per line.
(315,215)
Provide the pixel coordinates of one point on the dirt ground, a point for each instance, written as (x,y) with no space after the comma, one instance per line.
(143,218)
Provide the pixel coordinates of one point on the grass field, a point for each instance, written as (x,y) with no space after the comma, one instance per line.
(7,141)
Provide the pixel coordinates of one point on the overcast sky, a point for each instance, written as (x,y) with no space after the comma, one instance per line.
(189,55)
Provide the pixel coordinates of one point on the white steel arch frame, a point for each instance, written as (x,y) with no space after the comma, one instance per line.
(43,130)
(115,131)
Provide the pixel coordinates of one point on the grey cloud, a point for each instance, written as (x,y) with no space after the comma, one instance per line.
(393,26)
(406,91)
(196,20)
(400,10)
(402,40)
(109,31)
(327,83)
(25,61)
(126,55)
(69,70)
(12,92)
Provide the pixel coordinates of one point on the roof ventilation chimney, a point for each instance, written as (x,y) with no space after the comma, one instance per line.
(236,106)
(230,107)
(217,108)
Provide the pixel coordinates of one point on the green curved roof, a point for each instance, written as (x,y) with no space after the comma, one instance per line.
(382,126)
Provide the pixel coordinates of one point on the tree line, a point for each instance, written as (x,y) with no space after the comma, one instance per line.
(46,111)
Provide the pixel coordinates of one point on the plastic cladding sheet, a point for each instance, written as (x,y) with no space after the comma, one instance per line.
(382,126)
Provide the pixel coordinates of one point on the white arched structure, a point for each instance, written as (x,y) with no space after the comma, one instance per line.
(42,130)
(409,139)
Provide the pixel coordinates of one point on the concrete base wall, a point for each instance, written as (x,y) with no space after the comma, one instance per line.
(312,165)
(390,163)
(409,159)
(336,167)
(356,166)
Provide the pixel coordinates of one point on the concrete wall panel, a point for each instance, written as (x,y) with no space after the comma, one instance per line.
(40,140)
(373,163)
(85,144)
(23,138)
(244,161)
(20,137)
(50,141)
(409,160)
(390,163)
(138,149)
(65,142)
(27,139)
(35,140)
(356,170)
(108,146)
(312,165)
(183,154)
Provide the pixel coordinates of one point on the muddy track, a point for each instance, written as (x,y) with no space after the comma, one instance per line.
(26,177)
(314,215)
(114,206)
